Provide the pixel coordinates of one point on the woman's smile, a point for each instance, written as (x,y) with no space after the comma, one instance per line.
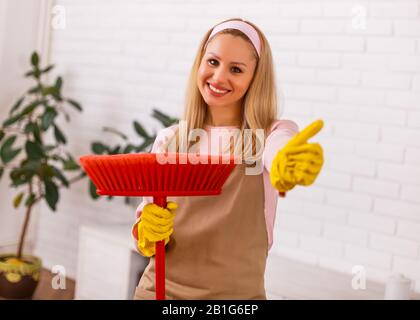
(216,92)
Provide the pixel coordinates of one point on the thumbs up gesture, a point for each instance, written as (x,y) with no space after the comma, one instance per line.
(298,162)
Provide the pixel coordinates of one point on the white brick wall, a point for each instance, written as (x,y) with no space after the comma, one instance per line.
(364,82)
(14,57)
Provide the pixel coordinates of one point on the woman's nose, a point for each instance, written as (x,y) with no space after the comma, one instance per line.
(220,76)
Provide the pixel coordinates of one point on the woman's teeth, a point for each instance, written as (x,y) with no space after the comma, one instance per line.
(217,90)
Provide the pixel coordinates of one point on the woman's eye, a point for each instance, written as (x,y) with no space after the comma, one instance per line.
(210,60)
(239,70)
(216,62)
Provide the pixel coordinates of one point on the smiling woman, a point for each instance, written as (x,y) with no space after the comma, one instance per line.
(210,253)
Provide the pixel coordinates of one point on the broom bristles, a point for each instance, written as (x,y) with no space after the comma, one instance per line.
(142,175)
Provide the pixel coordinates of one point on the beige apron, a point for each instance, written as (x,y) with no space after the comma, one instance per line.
(219,246)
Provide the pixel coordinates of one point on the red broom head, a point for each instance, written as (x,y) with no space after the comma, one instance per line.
(147,174)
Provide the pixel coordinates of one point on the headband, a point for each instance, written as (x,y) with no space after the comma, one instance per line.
(242,26)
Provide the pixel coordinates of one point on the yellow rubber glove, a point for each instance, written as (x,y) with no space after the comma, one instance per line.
(298,162)
(156,224)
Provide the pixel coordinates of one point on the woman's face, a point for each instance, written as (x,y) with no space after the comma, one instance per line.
(228,64)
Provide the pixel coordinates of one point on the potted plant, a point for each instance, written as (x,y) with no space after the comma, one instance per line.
(31,149)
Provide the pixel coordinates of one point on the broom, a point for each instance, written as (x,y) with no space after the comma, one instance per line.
(143,174)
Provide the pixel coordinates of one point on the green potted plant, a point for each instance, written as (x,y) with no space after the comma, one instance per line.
(31,150)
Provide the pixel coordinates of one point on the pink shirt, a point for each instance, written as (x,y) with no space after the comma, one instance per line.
(280,133)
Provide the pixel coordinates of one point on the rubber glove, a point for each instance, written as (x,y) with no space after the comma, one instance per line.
(298,162)
(156,224)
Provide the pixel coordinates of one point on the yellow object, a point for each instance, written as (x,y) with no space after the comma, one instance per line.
(15,261)
(298,162)
(156,224)
(13,277)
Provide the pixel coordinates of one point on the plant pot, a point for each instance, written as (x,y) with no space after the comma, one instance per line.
(19,278)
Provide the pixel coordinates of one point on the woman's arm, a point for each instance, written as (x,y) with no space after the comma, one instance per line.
(281,132)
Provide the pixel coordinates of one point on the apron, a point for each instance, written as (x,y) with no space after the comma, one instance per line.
(219,246)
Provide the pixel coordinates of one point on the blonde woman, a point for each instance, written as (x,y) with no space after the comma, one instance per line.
(216,247)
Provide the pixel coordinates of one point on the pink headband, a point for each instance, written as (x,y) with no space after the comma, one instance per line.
(246,28)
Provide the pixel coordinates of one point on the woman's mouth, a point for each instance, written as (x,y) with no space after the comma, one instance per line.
(216,92)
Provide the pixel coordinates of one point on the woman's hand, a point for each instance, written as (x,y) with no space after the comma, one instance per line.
(299,162)
(156,224)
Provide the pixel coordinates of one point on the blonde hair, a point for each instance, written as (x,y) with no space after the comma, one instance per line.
(259,108)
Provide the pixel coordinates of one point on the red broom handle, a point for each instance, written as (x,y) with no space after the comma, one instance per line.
(160,257)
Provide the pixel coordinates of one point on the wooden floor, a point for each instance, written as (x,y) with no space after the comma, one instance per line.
(45,291)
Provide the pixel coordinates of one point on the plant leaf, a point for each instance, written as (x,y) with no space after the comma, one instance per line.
(92,190)
(47,69)
(31,166)
(35,73)
(2,134)
(30,73)
(99,148)
(10,155)
(32,127)
(75,104)
(116,150)
(46,171)
(18,199)
(47,118)
(58,84)
(35,59)
(30,199)
(59,136)
(34,150)
(60,176)
(66,116)
(7,154)
(112,130)
(36,89)
(20,176)
(29,127)
(30,108)
(140,130)
(51,194)
(129,148)
(49,148)
(9,142)
(12,120)
(16,105)
(166,120)
(53,91)
(37,133)
(49,90)
(144,145)
(70,164)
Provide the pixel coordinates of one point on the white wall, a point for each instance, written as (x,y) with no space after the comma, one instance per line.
(122,58)
(20,26)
